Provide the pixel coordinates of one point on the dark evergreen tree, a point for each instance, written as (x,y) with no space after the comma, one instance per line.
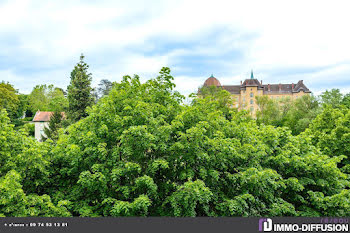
(80,92)
(55,124)
(104,87)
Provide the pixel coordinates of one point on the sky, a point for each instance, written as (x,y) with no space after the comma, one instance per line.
(281,41)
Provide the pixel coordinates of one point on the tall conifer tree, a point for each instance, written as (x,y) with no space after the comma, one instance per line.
(80,92)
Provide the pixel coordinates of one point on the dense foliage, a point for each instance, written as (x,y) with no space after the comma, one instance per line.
(294,114)
(24,170)
(80,92)
(55,123)
(47,98)
(9,99)
(141,152)
(330,132)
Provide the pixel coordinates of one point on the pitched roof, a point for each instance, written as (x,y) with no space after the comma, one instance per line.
(233,89)
(286,88)
(45,116)
(252,83)
(301,87)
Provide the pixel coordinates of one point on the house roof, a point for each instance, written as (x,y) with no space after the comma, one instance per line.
(251,83)
(45,116)
(301,87)
(233,89)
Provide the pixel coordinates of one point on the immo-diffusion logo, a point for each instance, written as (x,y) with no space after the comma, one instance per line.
(266,224)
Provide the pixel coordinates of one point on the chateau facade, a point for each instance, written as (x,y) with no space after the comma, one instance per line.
(244,94)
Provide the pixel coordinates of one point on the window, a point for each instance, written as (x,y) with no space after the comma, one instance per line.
(251,109)
(251,102)
(251,94)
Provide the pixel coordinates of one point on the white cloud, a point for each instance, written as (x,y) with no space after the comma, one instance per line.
(283,35)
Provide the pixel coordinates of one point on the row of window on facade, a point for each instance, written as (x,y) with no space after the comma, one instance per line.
(252,95)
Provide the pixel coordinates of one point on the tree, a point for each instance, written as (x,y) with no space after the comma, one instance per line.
(330,132)
(296,114)
(38,98)
(23,105)
(24,173)
(333,97)
(57,101)
(302,112)
(9,99)
(140,152)
(80,93)
(47,98)
(15,202)
(346,100)
(55,124)
(268,112)
(217,95)
(104,87)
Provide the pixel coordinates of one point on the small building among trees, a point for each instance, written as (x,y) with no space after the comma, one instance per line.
(41,121)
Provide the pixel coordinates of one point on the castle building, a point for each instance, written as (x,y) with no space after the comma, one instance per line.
(244,94)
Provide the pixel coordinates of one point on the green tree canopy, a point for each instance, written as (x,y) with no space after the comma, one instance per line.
(295,114)
(330,132)
(141,152)
(24,173)
(333,97)
(346,100)
(9,99)
(47,98)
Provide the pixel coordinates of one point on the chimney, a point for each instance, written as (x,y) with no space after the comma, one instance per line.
(241,82)
(261,82)
(301,81)
(279,87)
(268,87)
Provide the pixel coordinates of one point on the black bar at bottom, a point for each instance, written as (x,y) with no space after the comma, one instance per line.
(181,225)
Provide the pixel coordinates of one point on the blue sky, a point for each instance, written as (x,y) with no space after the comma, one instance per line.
(282,41)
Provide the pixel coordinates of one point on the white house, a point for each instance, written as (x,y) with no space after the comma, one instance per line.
(41,120)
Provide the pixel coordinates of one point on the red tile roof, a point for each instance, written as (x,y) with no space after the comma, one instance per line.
(212,82)
(44,116)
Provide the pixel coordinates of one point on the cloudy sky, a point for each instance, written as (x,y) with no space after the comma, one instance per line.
(282,41)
